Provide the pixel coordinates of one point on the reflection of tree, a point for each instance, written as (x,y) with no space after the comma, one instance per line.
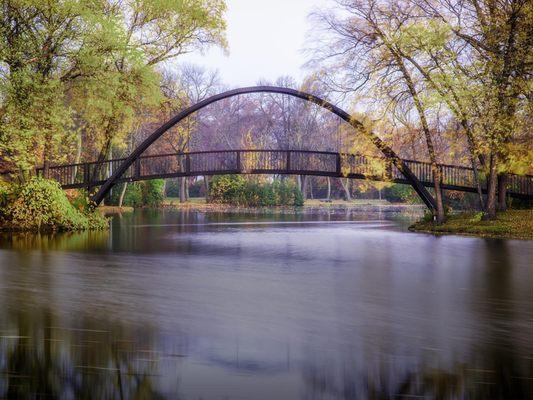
(76,241)
(457,382)
(39,360)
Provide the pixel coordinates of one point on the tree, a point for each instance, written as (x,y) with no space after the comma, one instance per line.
(497,36)
(76,73)
(370,28)
(41,43)
(188,86)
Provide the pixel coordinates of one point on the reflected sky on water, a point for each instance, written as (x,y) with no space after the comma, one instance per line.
(260,306)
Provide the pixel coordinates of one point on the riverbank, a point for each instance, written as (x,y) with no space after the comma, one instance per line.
(112,210)
(363,205)
(512,224)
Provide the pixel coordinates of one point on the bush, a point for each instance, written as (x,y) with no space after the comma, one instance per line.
(173,188)
(235,190)
(4,194)
(41,205)
(139,194)
(133,196)
(153,192)
(401,193)
(196,188)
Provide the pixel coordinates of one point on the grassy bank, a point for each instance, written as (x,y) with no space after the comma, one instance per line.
(110,210)
(199,204)
(512,224)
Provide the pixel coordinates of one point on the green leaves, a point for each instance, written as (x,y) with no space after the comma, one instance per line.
(41,205)
(236,190)
(85,68)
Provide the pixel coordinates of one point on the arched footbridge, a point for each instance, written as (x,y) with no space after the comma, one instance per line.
(138,166)
(279,162)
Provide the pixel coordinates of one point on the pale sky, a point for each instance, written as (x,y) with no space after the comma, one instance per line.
(266,39)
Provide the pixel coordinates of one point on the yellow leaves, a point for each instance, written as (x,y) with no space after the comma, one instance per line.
(426,35)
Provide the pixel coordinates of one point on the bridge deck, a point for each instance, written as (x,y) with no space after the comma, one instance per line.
(291,162)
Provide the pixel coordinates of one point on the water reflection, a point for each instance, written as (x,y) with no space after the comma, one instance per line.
(42,360)
(264,306)
(78,241)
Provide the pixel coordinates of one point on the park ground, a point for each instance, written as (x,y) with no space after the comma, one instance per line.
(511,224)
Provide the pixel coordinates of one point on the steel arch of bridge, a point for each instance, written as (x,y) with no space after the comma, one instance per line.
(410,177)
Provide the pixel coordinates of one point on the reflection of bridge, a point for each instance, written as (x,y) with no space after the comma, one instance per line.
(288,162)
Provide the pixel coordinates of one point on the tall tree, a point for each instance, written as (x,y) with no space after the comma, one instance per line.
(498,35)
(365,39)
(69,66)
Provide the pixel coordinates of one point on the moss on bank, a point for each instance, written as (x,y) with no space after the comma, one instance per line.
(512,224)
(41,205)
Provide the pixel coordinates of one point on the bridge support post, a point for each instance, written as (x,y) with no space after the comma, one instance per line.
(288,161)
(86,174)
(339,166)
(238,161)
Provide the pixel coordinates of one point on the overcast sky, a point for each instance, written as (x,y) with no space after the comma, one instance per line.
(266,39)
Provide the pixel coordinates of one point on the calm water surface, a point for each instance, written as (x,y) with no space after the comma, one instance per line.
(264,306)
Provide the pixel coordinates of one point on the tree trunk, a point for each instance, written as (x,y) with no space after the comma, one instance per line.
(477,182)
(104,152)
(502,192)
(427,133)
(122,194)
(206,187)
(437,180)
(329,188)
(47,155)
(183,194)
(345,183)
(78,157)
(303,181)
(490,210)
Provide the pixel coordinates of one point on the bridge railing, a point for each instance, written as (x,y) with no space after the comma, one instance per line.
(85,174)
(301,162)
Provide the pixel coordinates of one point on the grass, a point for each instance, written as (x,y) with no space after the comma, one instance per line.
(193,201)
(354,202)
(512,224)
(175,201)
(106,210)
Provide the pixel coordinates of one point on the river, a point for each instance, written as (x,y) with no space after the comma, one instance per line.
(326,305)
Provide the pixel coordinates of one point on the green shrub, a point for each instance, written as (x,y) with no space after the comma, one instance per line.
(41,205)
(153,192)
(401,193)
(139,194)
(196,188)
(236,190)
(173,188)
(133,196)
(5,190)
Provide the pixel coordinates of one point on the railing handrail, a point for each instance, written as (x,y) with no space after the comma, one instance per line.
(149,156)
